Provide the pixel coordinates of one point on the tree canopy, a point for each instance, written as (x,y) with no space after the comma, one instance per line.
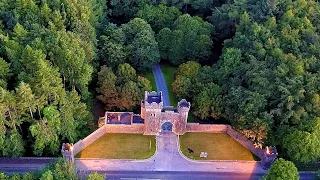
(132,43)
(46,57)
(282,169)
(266,80)
(121,90)
(189,39)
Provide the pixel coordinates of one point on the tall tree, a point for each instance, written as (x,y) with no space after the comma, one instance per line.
(160,16)
(190,39)
(143,48)
(107,87)
(123,90)
(26,99)
(45,137)
(14,144)
(112,50)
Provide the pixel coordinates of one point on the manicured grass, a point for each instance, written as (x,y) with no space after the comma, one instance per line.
(219,146)
(168,73)
(120,146)
(150,77)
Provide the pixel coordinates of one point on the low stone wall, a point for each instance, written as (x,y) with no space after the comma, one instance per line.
(245,142)
(77,147)
(212,128)
(123,128)
(223,128)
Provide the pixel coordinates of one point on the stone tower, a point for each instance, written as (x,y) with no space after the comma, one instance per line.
(183,110)
(269,156)
(151,108)
(67,151)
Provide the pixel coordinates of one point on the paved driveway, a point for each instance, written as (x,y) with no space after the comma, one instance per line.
(168,157)
(161,84)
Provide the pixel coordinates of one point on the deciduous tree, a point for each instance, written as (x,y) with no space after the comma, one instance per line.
(282,169)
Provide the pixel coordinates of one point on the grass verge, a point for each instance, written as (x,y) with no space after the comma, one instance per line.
(150,77)
(168,73)
(219,146)
(120,146)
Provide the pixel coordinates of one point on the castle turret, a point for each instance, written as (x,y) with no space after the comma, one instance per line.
(183,110)
(151,108)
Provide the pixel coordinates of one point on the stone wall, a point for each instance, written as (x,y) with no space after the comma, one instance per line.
(211,128)
(77,147)
(123,128)
(245,142)
(222,128)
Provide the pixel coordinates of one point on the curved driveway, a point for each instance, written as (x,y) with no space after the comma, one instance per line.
(161,84)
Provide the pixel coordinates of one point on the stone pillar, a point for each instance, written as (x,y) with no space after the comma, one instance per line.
(101,121)
(67,151)
(269,156)
(183,110)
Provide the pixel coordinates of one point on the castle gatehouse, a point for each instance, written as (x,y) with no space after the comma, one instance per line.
(154,116)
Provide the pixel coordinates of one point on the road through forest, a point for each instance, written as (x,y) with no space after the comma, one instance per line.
(161,84)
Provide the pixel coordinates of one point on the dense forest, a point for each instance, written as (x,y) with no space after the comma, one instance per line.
(47,51)
(266,82)
(254,63)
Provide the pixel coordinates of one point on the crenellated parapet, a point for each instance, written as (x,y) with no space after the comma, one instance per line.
(183,106)
(152,100)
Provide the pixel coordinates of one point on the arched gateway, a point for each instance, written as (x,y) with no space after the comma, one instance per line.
(166,127)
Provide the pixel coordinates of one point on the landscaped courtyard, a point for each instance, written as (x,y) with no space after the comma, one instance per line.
(219,146)
(120,146)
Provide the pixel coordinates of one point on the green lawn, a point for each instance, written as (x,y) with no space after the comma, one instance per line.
(150,77)
(168,73)
(219,146)
(120,146)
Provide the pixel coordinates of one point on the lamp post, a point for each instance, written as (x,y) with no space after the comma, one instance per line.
(269,156)
(67,151)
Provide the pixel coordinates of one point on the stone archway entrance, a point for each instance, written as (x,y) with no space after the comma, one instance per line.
(166,127)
